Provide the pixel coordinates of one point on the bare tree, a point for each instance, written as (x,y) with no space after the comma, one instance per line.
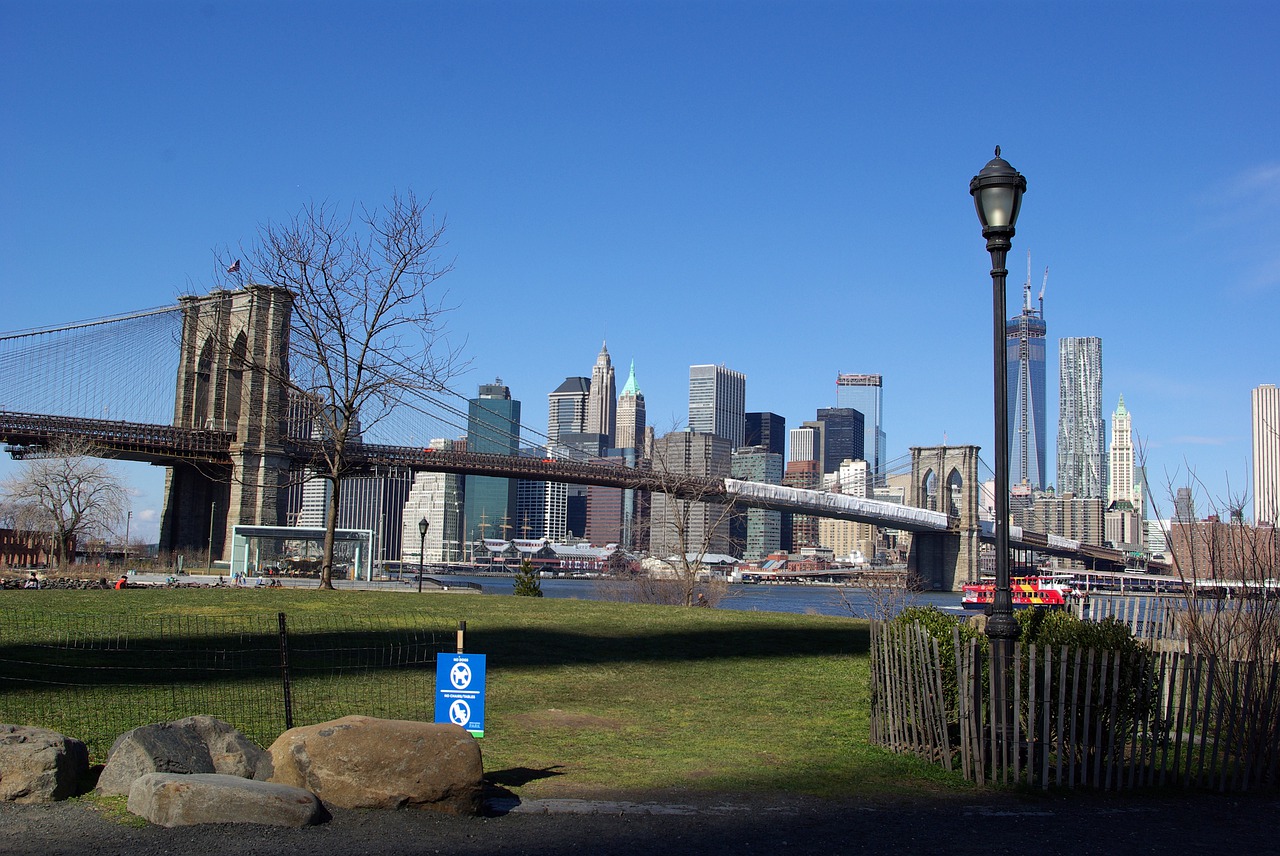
(67,495)
(689,519)
(367,329)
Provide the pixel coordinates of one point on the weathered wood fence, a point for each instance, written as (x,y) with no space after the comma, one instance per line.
(1075,717)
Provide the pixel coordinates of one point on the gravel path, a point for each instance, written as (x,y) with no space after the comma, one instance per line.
(702,824)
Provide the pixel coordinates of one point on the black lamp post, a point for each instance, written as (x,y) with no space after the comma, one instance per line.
(422,541)
(997,194)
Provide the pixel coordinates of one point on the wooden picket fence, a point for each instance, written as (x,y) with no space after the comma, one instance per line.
(1075,717)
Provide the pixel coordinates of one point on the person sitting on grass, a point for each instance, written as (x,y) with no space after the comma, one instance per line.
(123,582)
(33,582)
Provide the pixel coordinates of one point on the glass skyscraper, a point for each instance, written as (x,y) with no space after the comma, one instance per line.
(1024,361)
(718,403)
(1082,432)
(493,427)
(865,394)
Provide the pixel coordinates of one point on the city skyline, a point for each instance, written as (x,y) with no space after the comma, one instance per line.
(779,188)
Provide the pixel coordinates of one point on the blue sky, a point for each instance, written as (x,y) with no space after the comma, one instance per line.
(779,187)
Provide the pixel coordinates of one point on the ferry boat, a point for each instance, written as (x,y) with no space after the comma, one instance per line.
(1050,591)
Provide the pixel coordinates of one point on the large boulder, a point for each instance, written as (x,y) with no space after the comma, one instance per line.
(39,765)
(361,762)
(197,744)
(175,799)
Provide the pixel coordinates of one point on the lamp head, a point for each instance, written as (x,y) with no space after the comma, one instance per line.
(422,526)
(997,194)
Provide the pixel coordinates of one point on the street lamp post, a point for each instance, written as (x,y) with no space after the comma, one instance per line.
(997,194)
(127,520)
(422,541)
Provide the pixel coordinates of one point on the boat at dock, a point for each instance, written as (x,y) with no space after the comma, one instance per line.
(1043,591)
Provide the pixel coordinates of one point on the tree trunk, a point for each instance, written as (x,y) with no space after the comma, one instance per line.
(326,561)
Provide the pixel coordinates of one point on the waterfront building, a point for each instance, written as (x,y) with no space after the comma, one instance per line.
(602,399)
(375,501)
(1025,364)
(1266,455)
(1081,427)
(1069,516)
(718,403)
(806,474)
(865,394)
(493,427)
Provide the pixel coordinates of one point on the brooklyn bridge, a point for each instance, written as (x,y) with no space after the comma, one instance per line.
(193,404)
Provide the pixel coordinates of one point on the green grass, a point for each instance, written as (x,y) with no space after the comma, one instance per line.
(587,697)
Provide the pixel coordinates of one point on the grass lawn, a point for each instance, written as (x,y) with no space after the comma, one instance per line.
(587,697)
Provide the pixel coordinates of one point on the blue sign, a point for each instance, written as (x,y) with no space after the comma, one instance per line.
(460,691)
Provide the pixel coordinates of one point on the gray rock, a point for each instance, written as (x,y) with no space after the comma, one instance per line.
(197,744)
(362,762)
(39,765)
(172,799)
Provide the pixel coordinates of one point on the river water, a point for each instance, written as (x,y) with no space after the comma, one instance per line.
(803,599)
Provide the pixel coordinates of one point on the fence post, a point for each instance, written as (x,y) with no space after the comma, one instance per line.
(284,672)
(462,636)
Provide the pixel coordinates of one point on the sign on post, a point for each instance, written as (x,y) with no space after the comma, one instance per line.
(460,691)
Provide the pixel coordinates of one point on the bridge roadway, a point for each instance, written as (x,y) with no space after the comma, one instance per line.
(164,445)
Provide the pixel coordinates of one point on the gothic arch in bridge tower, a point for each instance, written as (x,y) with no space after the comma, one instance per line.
(232,365)
(945,478)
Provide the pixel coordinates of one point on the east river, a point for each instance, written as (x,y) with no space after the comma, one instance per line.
(803,599)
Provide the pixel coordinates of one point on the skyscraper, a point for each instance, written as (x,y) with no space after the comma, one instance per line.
(1024,361)
(679,525)
(567,408)
(1121,483)
(629,433)
(718,403)
(768,430)
(1266,454)
(806,443)
(843,429)
(761,531)
(865,393)
(1081,428)
(602,399)
(493,427)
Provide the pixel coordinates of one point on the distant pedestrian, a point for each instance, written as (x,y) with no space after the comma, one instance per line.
(123,582)
(33,582)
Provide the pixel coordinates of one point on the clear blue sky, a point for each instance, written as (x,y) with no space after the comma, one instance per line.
(779,187)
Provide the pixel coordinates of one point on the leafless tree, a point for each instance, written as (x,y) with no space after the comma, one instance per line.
(878,595)
(66,494)
(688,520)
(367,329)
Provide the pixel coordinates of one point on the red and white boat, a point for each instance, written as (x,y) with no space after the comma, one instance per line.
(1041,592)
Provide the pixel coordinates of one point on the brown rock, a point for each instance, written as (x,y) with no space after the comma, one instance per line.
(177,799)
(40,765)
(361,762)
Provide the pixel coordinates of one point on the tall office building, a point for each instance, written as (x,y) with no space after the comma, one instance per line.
(806,443)
(436,498)
(493,427)
(1082,432)
(629,433)
(567,408)
(756,532)
(602,399)
(843,429)
(718,403)
(1122,484)
(676,523)
(1266,455)
(865,394)
(768,430)
(1024,362)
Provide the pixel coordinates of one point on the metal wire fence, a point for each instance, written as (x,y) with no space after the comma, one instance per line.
(94,677)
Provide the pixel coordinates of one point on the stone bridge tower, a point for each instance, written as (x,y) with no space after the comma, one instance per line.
(231,372)
(945,478)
